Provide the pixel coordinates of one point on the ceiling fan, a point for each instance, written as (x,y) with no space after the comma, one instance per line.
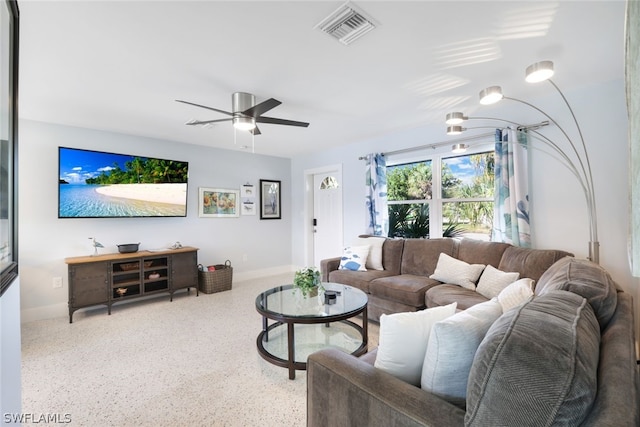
(245,113)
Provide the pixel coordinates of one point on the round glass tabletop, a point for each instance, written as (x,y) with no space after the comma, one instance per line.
(287,302)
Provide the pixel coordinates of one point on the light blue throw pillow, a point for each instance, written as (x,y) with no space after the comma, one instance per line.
(354,258)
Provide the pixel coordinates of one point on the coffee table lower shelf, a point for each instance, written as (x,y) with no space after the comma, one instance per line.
(288,344)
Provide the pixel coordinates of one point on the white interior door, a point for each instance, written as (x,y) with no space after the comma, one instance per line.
(327,216)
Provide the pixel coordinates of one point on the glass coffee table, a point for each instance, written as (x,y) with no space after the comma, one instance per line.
(305,325)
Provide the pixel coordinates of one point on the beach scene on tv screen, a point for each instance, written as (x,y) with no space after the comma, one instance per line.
(98,184)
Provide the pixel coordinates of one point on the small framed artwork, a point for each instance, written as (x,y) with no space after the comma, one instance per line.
(270,199)
(247,190)
(248,208)
(218,203)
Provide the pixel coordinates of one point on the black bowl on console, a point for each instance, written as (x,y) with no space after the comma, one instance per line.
(128,248)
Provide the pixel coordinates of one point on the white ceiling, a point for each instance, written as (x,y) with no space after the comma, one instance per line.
(119,65)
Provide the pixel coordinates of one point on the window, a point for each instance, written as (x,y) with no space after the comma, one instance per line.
(9,17)
(442,196)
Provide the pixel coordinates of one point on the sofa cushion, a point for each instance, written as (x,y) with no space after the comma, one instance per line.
(474,251)
(452,346)
(456,272)
(537,365)
(374,259)
(403,341)
(406,288)
(584,278)
(357,279)
(420,256)
(446,294)
(515,294)
(531,263)
(492,281)
(354,258)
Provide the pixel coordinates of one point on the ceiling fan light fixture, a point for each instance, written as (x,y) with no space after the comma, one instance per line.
(244,123)
(539,72)
(491,95)
(455,118)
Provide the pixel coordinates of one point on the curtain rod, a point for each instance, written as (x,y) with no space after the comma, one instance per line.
(455,141)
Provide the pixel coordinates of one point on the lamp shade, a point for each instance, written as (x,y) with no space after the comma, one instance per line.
(455,118)
(459,148)
(538,72)
(491,95)
(454,130)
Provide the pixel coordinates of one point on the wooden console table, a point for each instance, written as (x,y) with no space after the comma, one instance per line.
(107,279)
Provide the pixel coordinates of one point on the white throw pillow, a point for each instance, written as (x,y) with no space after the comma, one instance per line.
(452,347)
(456,272)
(354,258)
(374,260)
(515,294)
(403,339)
(493,281)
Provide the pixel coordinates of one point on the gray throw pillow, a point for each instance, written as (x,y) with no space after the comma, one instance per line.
(537,365)
(586,279)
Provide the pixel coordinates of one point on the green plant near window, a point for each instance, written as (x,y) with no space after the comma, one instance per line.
(307,280)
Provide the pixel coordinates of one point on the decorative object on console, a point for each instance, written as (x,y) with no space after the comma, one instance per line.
(576,159)
(307,279)
(128,248)
(218,203)
(96,245)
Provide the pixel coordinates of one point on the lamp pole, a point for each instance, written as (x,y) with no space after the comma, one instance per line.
(535,73)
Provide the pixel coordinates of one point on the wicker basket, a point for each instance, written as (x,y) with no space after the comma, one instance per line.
(216,281)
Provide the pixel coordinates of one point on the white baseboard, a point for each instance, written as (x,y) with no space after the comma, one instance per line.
(62,309)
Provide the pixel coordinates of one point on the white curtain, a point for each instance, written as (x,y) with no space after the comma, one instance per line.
(376,195)
(632,74)
(511,208)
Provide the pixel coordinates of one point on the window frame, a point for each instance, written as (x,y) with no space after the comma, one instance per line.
(436,202)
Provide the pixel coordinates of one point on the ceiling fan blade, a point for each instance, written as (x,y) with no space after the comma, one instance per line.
(274,121)
(197,122)
(204,106)
(255,131)
(261,108)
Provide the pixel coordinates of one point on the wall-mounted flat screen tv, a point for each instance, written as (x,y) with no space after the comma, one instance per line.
(96,184)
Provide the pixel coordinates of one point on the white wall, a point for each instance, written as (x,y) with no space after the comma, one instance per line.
(10,379)
(45,240)
(558,208)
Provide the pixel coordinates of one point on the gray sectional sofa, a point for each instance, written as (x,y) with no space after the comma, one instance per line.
(564,357)
(404,284)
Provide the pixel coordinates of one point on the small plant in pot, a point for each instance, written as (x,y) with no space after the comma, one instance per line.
(308,281)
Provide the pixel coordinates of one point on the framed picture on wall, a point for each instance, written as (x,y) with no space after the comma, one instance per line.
(270,199)
(218,203)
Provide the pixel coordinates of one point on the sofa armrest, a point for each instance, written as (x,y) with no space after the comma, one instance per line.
(327,266)
(343,390)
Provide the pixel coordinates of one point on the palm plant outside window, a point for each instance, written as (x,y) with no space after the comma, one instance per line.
(442,196)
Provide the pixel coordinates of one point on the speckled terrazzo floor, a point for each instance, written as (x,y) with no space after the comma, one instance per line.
(190,362)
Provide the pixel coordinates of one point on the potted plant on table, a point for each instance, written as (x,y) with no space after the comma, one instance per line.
(308,281)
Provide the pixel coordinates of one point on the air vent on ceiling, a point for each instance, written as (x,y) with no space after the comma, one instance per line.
(346,24)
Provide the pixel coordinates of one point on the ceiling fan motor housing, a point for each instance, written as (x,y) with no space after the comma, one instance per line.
(242,101)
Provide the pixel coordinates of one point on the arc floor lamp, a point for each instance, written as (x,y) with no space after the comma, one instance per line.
(576,159)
